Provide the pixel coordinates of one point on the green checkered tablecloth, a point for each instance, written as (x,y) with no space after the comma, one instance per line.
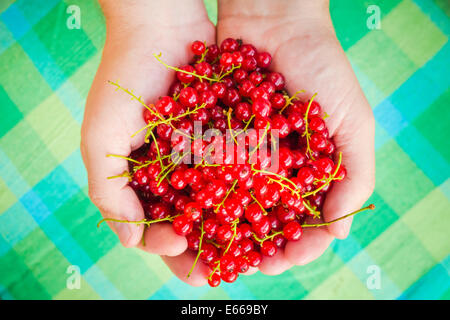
(48,224)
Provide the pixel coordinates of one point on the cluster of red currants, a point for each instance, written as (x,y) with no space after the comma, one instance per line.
(234,213)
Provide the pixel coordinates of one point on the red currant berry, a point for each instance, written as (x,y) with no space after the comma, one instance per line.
(295,119)
(278,100)
(229,276)
(246,245)
(193,211)
(209,252)
(277,79)
(193,240)
(219,89)
(226,60)
(189,97)
(192,176)
(240,75)
(182,225)
(305,176)
(253,213)
(246,88)
(246,230)
(292,231)
(262,227)
(166,105)
(248,50)
(263,59)
(318,142)
(242,265)
(249,64)
(198,47)
(224,234)
(213,53)
(227,263)
(159,188)
(186,77)
(159,210)
(214,280)
(229,45)
(281,124)
(204,69)
(261,108)
(268,248)
(254,258)
(317,124)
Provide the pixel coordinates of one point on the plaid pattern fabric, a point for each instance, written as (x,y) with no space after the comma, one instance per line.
(47,222)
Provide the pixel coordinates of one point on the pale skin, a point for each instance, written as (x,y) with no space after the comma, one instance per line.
(299,35)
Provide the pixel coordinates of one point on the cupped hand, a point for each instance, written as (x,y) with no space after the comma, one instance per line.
(135,31)
(300,36)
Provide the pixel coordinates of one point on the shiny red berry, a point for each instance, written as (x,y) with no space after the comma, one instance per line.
(268,248)
(292,231)
(198,47)
(182,225)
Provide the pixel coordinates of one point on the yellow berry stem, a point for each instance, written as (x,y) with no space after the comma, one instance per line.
(369,207)
(158,57)
(306,133)
(289,100)
(143,221)
(202,232)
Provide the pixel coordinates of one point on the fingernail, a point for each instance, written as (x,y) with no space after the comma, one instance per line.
(123,232)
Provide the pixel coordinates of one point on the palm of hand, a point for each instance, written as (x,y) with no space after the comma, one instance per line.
(312,59)
(112,117)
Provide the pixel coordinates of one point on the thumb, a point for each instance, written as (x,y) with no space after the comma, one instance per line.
(114,197)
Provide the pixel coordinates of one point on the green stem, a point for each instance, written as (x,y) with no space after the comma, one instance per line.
(289,100)
(139,99)
(123,157)
(247,124)
(273,235)
(260,205)
(229,124)
(158,57)
(228,72)
(199,249)
(327,181)
(143,236)
(234,223)
(369,207)
(260,141)
(276,175)
(226,196)
(216,268)
(202,57)
(157,149)
(308,148)
(124,174)
(143,221)
(172,166)
(149,162)
(310,209)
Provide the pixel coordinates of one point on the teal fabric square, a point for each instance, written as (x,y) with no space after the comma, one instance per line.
(16,223)
(56,188)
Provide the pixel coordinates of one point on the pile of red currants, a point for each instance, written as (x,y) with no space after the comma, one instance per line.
(240,192)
